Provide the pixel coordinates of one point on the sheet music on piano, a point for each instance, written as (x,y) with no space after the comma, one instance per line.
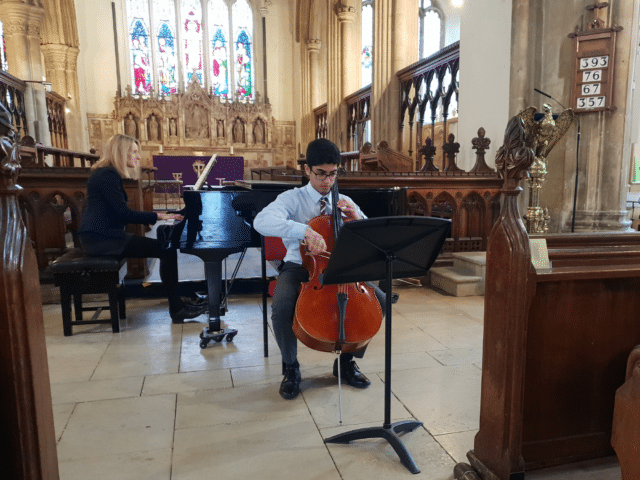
(205,173)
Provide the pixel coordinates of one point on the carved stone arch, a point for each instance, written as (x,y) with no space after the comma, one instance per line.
(159,120)
(435,7)
(128,128)
(239,129)
(472,216)
(417,205)
(309,14)
(196,112)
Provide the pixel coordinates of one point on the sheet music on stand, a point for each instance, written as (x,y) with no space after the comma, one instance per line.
(205,173)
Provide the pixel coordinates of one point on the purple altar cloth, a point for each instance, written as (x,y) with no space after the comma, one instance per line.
(229,168)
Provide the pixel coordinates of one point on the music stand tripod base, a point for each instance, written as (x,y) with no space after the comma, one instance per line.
(385,248)
(390,434)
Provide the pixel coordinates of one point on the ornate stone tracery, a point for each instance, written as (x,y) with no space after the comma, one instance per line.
(196,120)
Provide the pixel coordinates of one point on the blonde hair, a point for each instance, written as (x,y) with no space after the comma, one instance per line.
(116,153)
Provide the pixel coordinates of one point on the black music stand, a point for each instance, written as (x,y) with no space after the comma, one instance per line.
(378,249)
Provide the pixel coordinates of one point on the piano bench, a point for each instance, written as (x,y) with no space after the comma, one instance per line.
(77,274)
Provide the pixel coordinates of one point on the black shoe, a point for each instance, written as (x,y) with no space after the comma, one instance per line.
(350,373)
(290,386)
(187,311)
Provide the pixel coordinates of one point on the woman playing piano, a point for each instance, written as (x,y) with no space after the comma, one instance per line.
(286,217)
(106,214)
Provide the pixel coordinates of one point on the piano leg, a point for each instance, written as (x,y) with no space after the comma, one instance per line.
(213,274)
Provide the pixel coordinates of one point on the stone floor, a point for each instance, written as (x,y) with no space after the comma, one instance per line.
(148,403)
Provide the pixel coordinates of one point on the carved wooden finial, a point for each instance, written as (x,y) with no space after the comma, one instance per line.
(597,22)
(9,155)
(480,144)
(428,151)
(451,149)
(514,158)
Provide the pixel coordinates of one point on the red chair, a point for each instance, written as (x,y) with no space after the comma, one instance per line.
(274,250)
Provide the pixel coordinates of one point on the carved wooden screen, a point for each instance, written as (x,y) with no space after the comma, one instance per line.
(358,124)
(12,97)
(433,83)
(56,118)
(320,120)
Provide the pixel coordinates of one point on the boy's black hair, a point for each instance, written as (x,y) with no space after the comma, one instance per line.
(322,151)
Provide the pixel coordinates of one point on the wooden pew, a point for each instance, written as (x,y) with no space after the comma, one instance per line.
(555,341)
(26,418)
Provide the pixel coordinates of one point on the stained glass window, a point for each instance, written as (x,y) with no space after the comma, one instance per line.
(367,42)
(192,29)
(139,46)
(164,16)
(167,40)
(430,28)
(242,19)
(3,52)
(219,28)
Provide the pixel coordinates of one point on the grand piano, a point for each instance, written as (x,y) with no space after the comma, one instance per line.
(218,222)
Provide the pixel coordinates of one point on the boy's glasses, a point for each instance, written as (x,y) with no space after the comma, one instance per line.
(324,176)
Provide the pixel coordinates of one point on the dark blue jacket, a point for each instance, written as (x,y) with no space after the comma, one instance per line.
(106,214)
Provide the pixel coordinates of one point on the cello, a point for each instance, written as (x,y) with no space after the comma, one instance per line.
(333,318)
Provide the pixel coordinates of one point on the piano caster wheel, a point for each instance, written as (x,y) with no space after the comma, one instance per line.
(217,335)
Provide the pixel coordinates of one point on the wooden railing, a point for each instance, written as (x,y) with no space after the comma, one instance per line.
(12,92)
(57,122)
(60,156)
(433,83)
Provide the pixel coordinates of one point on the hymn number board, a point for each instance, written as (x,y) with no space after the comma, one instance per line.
(593,72)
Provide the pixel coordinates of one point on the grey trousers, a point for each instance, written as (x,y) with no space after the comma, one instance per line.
(283,309)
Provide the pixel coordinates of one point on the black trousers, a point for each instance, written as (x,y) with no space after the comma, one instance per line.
(145,247)
(140,247)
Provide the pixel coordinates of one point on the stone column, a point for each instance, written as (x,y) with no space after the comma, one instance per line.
(338,82)
(390,18)
(22,39)
(263,14)
(349,60)
(310,97)
(313,47)
(521,57)
(60,50)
